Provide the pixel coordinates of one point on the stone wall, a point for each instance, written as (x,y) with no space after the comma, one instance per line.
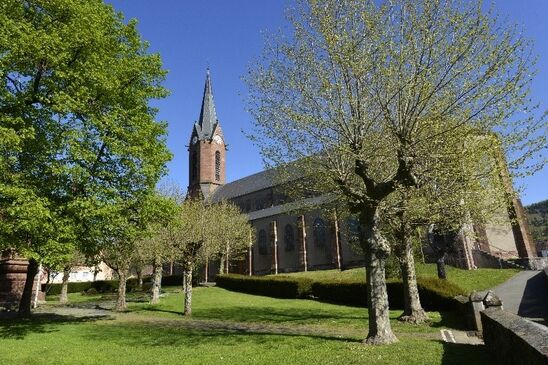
(514,340)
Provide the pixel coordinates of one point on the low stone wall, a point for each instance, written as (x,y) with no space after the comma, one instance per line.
(514,340)
(533,263)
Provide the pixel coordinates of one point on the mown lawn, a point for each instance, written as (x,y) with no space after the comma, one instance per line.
(480,279)
(226,328)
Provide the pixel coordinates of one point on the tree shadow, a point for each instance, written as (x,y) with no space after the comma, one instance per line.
(452,320)
(19,328)
(191,334)
(265,314)
(459,353)
(534,303)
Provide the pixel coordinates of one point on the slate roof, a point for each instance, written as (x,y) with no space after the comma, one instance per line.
(259,181)
(289,207)
(206,124)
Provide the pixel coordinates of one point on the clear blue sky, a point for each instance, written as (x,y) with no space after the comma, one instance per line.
(227,36)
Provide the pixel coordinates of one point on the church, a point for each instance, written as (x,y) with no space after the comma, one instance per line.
(286,241)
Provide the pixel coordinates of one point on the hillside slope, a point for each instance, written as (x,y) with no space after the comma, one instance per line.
(537,215)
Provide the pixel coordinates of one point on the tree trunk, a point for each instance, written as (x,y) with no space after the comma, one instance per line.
(413,311)
(377,251)
(26,299)
(222,264)
(187,287)
(63,298)
(121,304)
(440,263)
(227,260)
(157,282)
(139,279)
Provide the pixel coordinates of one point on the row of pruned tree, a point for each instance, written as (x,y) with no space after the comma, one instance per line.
(407,111)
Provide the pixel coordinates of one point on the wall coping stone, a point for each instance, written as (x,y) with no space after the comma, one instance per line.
(513,339)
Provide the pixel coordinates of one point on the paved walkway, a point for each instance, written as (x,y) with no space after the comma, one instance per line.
(526,294)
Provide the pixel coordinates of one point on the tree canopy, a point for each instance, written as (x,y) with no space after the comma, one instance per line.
(370,98)
(80,142)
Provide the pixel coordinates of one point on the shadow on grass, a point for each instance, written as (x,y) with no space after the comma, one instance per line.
(265,314)
(19,328)
(193,334)
(458,354)
(451,320)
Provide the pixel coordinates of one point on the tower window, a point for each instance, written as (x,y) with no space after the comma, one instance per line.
(194,167)
(217,166)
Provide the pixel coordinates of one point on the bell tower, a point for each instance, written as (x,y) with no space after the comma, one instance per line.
(207,149)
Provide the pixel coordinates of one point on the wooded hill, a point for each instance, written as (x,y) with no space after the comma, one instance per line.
(537,215)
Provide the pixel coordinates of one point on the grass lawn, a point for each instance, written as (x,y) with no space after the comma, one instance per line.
(226,328)
(480,279)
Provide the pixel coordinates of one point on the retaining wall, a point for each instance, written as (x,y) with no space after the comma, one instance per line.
(512,339)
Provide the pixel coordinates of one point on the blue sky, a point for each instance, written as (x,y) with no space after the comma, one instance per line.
(227,36)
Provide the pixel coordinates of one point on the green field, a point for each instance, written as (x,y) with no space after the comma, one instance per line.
(480,279)
(226,328)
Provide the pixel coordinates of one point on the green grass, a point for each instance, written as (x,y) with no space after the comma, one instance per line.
(226,328)
(469,280)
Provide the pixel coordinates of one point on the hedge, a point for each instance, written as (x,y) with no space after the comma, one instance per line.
(435,294)
(277,287)
(108,286)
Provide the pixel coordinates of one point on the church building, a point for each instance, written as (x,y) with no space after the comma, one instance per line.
(286,241)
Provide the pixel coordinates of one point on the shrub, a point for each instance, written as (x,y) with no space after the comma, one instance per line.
(278,287)
(435,294)
(173,280)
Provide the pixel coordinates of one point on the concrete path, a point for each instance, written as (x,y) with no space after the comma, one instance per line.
(526,295)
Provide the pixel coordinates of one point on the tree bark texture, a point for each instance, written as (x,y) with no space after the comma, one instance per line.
(156,282)
(139,279)
(440,263)
(413,311)
(377,251)
(63,297)
(25,303)
(121,304)
(187,287)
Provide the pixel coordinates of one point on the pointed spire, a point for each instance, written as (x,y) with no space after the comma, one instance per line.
(208,116)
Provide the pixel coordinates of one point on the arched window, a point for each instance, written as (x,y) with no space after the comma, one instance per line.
(289,237)
(194,166)
(319,229)
(217,166)
(263,244)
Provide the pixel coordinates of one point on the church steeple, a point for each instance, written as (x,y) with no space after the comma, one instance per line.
(208,116)
(207,149)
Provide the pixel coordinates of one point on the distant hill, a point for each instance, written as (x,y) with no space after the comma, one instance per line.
(537,215)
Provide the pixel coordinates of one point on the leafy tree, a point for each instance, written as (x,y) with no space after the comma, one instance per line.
(157,247)
(203,231)
(361,95)
(78,136)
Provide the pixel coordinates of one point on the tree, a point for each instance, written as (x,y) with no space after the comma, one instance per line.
(204,231)
(361,94)
(77,132)
(157,246)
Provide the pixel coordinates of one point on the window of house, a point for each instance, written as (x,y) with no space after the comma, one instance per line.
(289,237)
(263,243)
(217,165)
(319,230)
